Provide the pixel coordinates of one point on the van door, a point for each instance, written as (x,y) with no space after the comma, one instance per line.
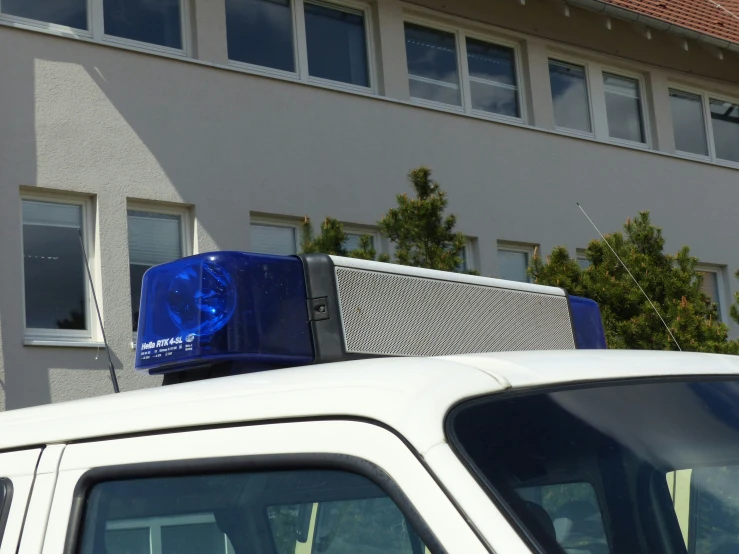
(17,470)
(310,487)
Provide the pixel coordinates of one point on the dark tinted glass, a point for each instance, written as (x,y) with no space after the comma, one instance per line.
(688,122)
(337,47)
(260,32)
(153,21)
(586,469)
(492,78)
(432,64)
(623,108)
(70,13)
(725,120)
(570,96)
(53,266)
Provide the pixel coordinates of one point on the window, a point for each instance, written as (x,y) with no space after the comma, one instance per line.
(68,13)
(432,64)
(570,96)
(279,240)
(711,286)
(335,44)
(725,123)
(153,239)
(688,120)
(151,21)
(582,260)
(513,263)
(624,108)
(493,81)
(589,468)
(353,241)
(55,279)
(280,511)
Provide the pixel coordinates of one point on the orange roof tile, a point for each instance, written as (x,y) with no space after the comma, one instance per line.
(719,18)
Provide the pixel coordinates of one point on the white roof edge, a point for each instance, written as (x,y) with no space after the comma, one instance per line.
(396,269)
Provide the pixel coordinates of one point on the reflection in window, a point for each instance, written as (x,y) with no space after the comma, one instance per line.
(493,78)
(273,239)
(337,46)
(153,239)
(725,120)
(513,265)
(623,108)
(260,32)
(70,13)
(432,64)
(353,241)
(689,123)
(53,266)
(570,96)
(152,21)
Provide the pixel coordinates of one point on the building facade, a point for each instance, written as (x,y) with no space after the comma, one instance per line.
(148,130)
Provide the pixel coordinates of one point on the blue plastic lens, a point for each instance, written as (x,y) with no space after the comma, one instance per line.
(201,298)
(588,324)
(224,307)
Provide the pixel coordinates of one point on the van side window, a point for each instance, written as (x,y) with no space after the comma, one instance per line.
(280,512)
(6,492)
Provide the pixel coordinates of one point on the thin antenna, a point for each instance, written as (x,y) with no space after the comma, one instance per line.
(632,277)
(100,317)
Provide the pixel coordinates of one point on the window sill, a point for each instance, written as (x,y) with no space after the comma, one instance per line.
(63,343)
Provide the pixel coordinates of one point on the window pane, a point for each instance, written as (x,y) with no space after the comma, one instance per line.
(715,508)
(153,21)
(492,78)
(153,239)
(689,124)
(255,512)
(70,13)
(725,119)
(513,265)
(710,287)
(53,265)
(127,541)
(352,242)
(570,96)
(337,47)
(432,64)
(260,32)
(268,239)
(623,108)
(583,262)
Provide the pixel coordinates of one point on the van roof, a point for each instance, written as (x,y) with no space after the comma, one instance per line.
(410,395)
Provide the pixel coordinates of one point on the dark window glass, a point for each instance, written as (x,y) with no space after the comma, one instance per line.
(432,64)
(624,108)
(53,266)
(592,469)
(152,21)
(337,46)
(260,32)
(153,239)
(493,78)
(688,122)
(570,96)
(70,13)
(339,512)
(725,120)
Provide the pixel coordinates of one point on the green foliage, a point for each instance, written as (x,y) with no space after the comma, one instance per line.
(332,240)
(423,235)
(671,282)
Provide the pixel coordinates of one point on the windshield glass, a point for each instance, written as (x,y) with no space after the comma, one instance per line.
(621,468)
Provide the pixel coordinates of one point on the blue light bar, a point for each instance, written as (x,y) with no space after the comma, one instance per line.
(223,306)
(587,324)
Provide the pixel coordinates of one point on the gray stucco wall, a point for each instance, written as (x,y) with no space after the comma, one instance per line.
(120,125)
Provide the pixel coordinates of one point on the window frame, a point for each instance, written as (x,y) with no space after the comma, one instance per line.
(42,337)
(461,34)
(300,47)
(565,59)
(643,105)
(96,29)
(276,222)
(186,232)
(520,248)
(719,272)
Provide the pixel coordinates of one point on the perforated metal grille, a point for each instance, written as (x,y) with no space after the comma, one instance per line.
(388,314)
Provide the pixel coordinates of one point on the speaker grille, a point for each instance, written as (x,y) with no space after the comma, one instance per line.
(397,315)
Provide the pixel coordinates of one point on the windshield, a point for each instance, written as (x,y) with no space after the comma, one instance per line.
(620,468)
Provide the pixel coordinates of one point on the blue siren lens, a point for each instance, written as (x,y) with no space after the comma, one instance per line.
(588,324)
(220,307)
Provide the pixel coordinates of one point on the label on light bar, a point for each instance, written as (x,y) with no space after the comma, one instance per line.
(220,307)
